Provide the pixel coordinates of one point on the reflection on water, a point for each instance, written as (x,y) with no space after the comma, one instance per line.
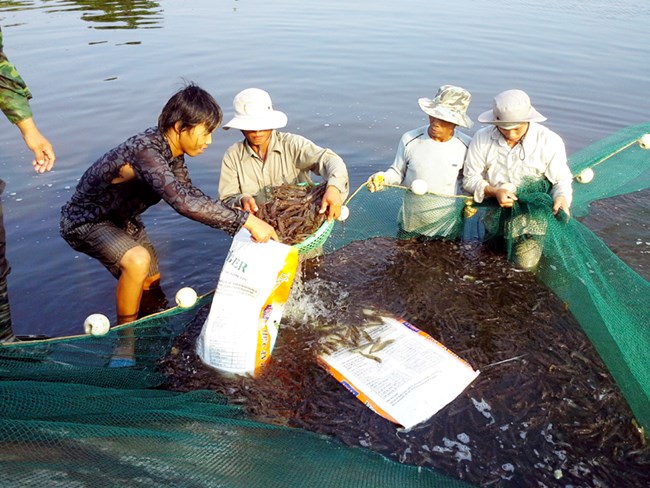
(113,14)
(347,73)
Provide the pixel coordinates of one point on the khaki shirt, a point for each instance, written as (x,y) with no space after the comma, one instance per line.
(289,160)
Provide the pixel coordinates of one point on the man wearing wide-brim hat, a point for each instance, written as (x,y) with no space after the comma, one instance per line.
(267,158)
(515,149)
(434,154)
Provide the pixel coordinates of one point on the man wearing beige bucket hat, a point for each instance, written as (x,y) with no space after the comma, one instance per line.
(515,147)
(434,155)
(267,158)
(514,151)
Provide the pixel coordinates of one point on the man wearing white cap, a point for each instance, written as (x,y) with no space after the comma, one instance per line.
(515,147)
(515,151)
(267,158)
(433,153)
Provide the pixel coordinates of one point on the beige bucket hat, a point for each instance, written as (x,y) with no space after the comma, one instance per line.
(511,108)
(254,111)
(449,104)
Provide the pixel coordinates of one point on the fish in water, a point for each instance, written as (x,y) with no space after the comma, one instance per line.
(543,408)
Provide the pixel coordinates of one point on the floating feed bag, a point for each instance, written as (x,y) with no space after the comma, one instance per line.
(606,296)
(65,415)
(401,373)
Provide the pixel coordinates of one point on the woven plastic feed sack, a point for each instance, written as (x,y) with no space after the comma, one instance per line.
(244,319)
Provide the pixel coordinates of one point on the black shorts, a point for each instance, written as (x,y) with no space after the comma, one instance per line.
(108,243)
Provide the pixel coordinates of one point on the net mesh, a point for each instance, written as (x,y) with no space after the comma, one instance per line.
(66,419)
(605,295)
(69,420)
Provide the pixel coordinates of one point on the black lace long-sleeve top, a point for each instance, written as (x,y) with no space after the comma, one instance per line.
(104,194)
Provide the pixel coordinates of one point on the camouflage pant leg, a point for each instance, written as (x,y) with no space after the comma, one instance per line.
(6,332)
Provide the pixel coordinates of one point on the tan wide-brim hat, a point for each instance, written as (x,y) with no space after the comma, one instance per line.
(254,111)
(511,108)
(450,104)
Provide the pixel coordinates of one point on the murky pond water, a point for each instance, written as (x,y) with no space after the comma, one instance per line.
(348,74)
(543,411)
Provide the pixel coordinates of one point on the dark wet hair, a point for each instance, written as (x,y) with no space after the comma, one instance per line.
(190,106)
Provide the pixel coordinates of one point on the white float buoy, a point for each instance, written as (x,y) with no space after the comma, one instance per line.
(186,297)
(345,213)
(419,187)
(585,176)
(97,324)
(644,141)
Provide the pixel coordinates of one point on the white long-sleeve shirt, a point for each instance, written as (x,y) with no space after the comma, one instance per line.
(541,154)
(419,157)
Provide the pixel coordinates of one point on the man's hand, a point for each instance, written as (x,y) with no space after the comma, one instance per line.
(249,204)
(43,153)
(260,230)
(506,198)
(376,182)
(560,203)
(332,202)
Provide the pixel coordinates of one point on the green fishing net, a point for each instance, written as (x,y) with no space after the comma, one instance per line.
(67,419)
(607,297)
